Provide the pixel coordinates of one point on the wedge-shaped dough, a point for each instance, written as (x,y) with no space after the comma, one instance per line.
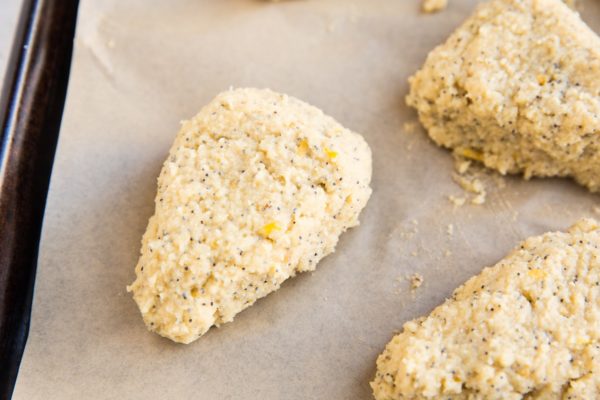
(517,87)
(257,187)
(526,328)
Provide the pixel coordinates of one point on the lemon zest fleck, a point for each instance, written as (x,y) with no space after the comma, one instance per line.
(268,229)
(303,147)
(537,273)
(330,153)
(470,153)
(542,79)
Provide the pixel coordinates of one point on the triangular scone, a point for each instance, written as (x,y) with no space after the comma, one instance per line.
(526,328)
(257,187)
(517,87)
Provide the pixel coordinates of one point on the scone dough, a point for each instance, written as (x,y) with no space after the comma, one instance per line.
(257,187)
(517,87)
(526,328)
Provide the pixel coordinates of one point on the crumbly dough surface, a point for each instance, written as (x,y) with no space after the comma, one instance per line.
(257,187)
(517,87)
(526,328)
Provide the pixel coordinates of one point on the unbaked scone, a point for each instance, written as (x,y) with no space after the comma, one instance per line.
(517,87)
(257,187)
(526,328)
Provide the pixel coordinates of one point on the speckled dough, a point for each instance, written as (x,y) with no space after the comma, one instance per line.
(257,187)
(526,328)
(517,87)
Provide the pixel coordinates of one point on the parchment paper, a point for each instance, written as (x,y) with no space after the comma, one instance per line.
(140,67)
(9,15)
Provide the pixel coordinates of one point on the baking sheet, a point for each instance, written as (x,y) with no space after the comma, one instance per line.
(139,68)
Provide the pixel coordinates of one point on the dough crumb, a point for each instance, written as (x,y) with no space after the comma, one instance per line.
(479,199)
(472,176)
(433,6)
(472,185)
(462,166)
(457,201)
(416,280)
(450,229)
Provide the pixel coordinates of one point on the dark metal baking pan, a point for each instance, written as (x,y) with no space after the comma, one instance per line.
(31,106)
